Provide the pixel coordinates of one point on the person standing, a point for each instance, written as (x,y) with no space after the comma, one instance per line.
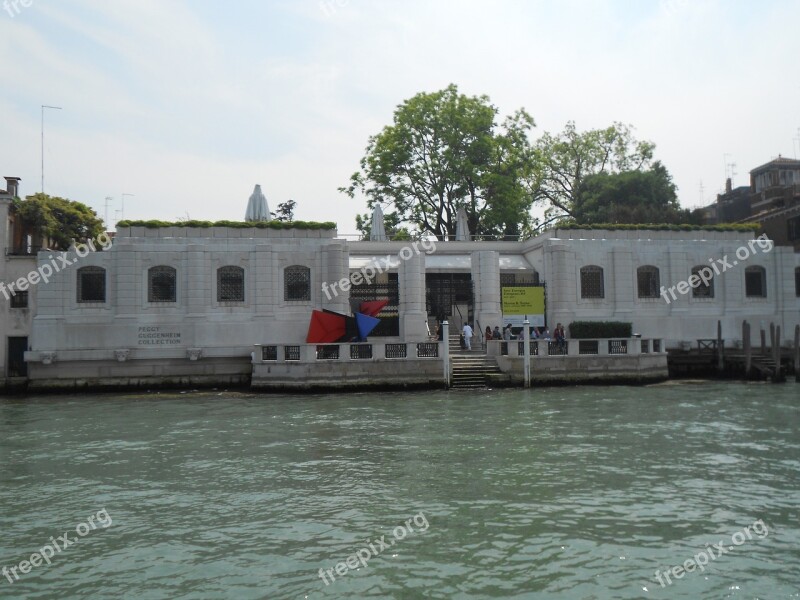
(560,336)
(467,331)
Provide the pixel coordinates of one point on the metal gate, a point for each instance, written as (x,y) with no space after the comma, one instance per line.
(447,293)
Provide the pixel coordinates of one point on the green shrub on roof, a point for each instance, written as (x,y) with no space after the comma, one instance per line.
(571,225)
(156,224)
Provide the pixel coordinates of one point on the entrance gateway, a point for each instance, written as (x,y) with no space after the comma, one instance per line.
(450,296)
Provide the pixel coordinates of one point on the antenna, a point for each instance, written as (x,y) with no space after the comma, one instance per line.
(702,193)
(797,139)
(730,167)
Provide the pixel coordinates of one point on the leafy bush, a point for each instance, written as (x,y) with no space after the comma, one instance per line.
(599,329)
(59,221)
(571,225)
(155,224)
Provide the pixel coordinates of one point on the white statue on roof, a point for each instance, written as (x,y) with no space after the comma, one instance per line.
(257,207)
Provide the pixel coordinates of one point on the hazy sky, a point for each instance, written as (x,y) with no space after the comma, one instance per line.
(187,105)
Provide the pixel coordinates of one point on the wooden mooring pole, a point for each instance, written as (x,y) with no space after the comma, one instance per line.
(763,341)
(797,353)
(720,353)
(776,354)
(748,354)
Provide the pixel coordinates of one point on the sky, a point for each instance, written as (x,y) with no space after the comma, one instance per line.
(178,108)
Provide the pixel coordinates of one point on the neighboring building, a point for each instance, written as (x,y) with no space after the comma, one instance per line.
(16,309)
(732,206)
(772,199)
(775,200)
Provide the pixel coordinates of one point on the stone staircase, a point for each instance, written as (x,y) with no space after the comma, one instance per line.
(470,367)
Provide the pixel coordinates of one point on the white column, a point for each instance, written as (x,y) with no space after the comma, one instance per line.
(413,318)
(486,279)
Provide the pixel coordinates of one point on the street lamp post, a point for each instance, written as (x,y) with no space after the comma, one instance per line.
(43,107)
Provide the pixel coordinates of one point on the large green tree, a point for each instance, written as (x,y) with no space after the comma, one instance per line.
(57,221)
(444,150)
(566,159)
(639,196)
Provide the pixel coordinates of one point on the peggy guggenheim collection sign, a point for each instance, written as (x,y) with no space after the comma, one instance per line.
(158,335)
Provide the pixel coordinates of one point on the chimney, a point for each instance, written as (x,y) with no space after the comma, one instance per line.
(12,185)
(728,185)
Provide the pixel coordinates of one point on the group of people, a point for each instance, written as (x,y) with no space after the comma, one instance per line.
(507,335)
(536,333)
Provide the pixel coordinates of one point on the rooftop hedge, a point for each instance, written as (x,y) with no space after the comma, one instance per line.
(567,225)
(600,329)
(155,224)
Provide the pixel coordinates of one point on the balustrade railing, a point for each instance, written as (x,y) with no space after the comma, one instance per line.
(576,347)
(371,351)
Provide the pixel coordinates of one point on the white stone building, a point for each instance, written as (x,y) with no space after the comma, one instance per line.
(191,306)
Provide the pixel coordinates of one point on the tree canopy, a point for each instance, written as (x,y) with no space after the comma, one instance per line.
(444,151)
(565,160)
(61,221)
(640,196)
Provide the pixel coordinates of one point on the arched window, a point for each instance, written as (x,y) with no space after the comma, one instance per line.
(755,282)
(161,284)
(230,284)
(592,282)
(297,283)
(648,281)
(705,289)
(91,284)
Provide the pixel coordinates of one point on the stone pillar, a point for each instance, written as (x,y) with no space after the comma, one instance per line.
(620,286)
(197,283)
(336,267)
(562,284)
(266,288)
(486,284)
(413,318)
(124,284)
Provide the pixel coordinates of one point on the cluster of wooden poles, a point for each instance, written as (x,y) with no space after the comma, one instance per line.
(774,349)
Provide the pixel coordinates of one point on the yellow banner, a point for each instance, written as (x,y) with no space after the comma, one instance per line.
(523,300)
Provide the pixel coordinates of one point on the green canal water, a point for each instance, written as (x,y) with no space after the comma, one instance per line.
(580,492)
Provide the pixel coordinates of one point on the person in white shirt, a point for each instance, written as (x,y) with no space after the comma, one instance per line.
(467,331)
